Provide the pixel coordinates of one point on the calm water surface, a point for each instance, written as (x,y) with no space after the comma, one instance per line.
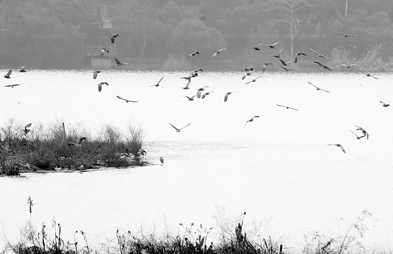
(279,168)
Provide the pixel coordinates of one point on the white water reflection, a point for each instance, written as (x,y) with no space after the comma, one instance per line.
(278,169)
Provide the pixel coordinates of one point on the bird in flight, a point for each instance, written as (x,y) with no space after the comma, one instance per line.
(200,90)
(113,37)
(8,75)
(345,35)
(278,54)
(338,145)
(103,51)
(384,104)
(26,129)
(12,85)
(22,69)
(193,54)
(258,47)
(177,129)
(158,83)
(272,46)
(286,68)
(347,65)
(127,101)
(287,107)
(119,63)
(299,54)
(283,62)
(226,96)
(370,76)
(78,143)
(254,80)
(357,137)
(250,120)
(101,84)
(364,132)
(206,94)
(248,72)
(318,88)
(189,98)
(218,52)
(319,55)
(95,74)
(323,66)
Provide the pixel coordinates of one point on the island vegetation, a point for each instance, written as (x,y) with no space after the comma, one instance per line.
(55,149)
(161,34)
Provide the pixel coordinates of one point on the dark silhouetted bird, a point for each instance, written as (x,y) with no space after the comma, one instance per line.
(338,145)
(364,132)
(158,83)
(272,46)
(8,75)
(190,98)
(299,54)
(113,37)
(177,129)
(119,63)
(384,104)
(162,161)
(226,96)
(250,120)
(78,143)
(127,101)
(278,54)
(12,85)
(26,129)
(318,88)
(253,80)
(319,55)
(345,35)
(95,74)
(193,54)
(101,84)
(287,107)
(370,76)
(22,69)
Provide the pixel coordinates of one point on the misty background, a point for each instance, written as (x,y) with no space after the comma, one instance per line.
(159,34)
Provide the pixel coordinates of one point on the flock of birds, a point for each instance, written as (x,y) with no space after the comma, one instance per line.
(202,93)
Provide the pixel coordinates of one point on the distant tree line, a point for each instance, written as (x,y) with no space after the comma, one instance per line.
(54,33)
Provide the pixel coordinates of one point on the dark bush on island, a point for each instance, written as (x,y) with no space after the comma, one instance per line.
(22,150)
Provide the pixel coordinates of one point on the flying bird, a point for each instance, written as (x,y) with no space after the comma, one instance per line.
(158,83)
(278,54)
(364,132)
(347,65)
(254,80)
(384,104)
(218,52)
(22,69)
(119,63)
(95,74)
(26,129)
(78,143)
(272,46)
(287,107)
(258,47)
(319,55)
(206,94)
(283,62)
(12,85)
(113,37)
(323,66)
(177,129)
(189,98)
(286,68)
(101,84)
(318,88)
(345,35)
(357,137)
(251,120)
(299,54)
(338,145)
(103,51)
(8,75)
(248,72)
(127,101)
(200,90)
(370,76)
(193,54)
(226,96)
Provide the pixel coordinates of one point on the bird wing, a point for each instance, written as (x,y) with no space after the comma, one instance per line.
(174,127)
(117,61)
(121,98)
(185,126)
(9,73)
(160,80)
(342,149)
(28,125)
(315,52)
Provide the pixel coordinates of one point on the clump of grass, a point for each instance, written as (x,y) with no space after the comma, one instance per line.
(49,149)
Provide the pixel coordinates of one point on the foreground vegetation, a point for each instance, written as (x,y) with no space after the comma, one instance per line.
(192,239)
(28,149)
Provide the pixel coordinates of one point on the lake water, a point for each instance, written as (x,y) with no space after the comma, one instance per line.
(278,168)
